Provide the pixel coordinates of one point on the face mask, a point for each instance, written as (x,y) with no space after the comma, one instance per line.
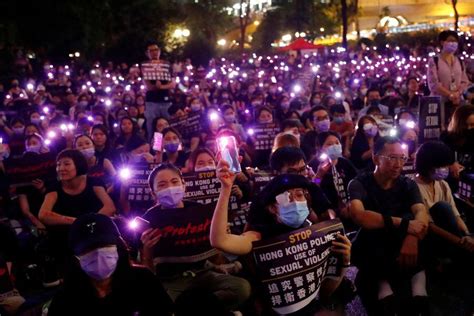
(363,92)
(323,126)
(127,100)
(268,121)
(83,104)
(88,152)
(171,147)
(370,129)
(35,121)
(206,168)
(293,214)
(402,122)
(195,107)
(285,105)
(229,118)
(18,130)
(170,197)
(334,151)
(256,103)
(450,47)
(339,120)
(34,149)
(440,173)
(140,102)
(316,102)
(100,263)
(374,103)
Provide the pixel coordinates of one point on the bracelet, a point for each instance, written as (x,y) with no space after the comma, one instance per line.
(404,226)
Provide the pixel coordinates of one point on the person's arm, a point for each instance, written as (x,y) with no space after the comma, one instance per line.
(48,217)
(25,209)
(219,236)
(108,207)
(368,219)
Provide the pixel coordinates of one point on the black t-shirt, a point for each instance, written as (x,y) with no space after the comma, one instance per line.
(79,204)
(140,293)
(34,196)
(344,172)
(159,95)
(181,161)
(374,247)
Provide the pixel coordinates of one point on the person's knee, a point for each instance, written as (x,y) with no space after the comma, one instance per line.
(242,289)
(443,215)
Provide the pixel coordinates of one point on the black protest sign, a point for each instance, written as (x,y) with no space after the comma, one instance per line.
(260,179)
(292,266)
(21,171)
(139,193)
(188,124)
(264,135)
(430,119)
(156,71)
(204,188)
(409,169)
(184,233)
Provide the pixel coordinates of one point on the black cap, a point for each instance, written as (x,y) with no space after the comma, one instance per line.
(91,231)
(282,183)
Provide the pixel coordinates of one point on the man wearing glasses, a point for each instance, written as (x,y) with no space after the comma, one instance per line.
(157,100)
(393,219)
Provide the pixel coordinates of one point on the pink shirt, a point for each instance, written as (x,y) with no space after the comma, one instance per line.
(444,74)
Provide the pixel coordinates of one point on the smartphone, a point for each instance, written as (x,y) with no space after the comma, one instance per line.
(139,224)
(157,141)
(229,152)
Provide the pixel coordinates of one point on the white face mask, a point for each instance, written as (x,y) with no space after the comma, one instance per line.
(170,197)
(100,263)
(34,149)
(88,152)
(206,168)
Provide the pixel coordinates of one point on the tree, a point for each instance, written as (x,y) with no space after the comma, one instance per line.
(344,22)
(244,18)
(454,3)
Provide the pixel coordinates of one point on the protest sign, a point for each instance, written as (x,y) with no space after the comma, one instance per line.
(292,266)
(187,125)
(430,119)
(184,233)
(139,193)
(204,188)
(409,169)
(156,71)
(260,179)
(21,171)
(264,135)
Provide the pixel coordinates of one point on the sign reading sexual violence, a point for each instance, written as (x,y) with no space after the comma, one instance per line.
(264,135)
(292,266)
(24,170)
(184,234)
(204,188)
(430,119)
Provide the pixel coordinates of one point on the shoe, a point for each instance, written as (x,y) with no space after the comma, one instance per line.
(389,306)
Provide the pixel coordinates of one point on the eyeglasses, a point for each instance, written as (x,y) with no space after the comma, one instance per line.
(393,159)
(300,171)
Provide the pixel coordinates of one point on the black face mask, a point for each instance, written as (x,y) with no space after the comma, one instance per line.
(374,102)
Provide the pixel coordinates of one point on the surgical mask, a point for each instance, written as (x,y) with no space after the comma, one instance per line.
(256,103)
(83,104)
(450,47)
(36,121)
(18,130)
(88,152)
(440,173)
(370,129)
(323,126)
(363,92)
(402,122)
(100,263)
(171,147)
(293,214)
(34,149)
(195,107)
(339,119)
(334,151)
(268,121)
(229,118)
(206,168)
(285,105)
(170,197)
(374,103)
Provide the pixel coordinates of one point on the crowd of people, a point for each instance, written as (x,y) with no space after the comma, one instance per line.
(348,124)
